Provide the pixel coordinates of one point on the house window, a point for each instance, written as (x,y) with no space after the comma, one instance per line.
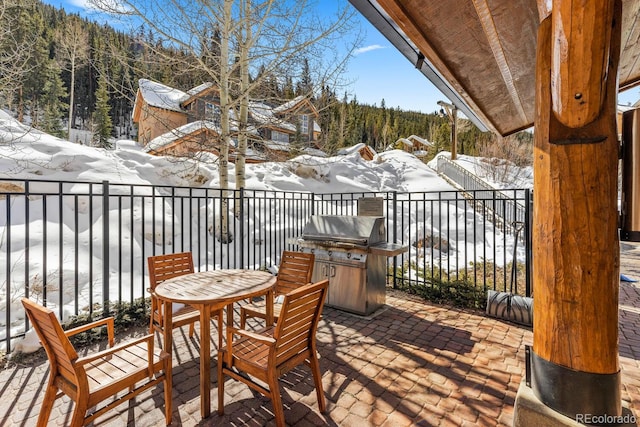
(304,124)
(279,136)
(212,112)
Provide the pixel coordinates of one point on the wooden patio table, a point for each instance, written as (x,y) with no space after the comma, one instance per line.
(210,291)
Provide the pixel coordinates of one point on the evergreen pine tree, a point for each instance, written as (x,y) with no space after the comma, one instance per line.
(53,106)
(102,123)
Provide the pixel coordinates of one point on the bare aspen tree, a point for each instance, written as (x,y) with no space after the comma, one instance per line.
(244,39)
(225,104)
(73,46)
(272,35)
(286,38)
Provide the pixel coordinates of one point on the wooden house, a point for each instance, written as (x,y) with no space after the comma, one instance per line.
(286,130)
(365,151)
(415,145)
(303,115)
(163,114)
(157,110)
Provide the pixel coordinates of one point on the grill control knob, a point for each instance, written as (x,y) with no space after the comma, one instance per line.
(348,254)
(329,252)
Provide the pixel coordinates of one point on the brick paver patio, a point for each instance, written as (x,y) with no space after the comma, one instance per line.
(411,363)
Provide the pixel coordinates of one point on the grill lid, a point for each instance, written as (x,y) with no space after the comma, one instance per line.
(356,230)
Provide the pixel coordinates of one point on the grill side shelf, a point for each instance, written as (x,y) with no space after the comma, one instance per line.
(388,249)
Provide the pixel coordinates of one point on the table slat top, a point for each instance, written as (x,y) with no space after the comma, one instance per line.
(216,286)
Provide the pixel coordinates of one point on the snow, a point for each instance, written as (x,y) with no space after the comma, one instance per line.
(168,138)
(200,88)
(499,173)
(287,105)
(264,114)
(26,153)
(420,140)
(161,96)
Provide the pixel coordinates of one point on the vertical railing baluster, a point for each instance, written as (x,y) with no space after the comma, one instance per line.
(105,247)
(119,198)
(7,320)
(241,218)
(143,227)
(60,252)
(44,249)
(131,240)
(90,249)
(76,251)
(206,226)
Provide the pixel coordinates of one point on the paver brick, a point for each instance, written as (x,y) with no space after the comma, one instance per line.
(412,364)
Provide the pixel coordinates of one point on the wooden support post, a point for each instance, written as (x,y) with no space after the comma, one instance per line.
(575,366)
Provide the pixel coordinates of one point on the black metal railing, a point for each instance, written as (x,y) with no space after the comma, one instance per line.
(452,235)
(78,247)
(513,206)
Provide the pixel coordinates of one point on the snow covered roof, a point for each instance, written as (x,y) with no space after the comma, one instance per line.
(353,149)
(193,93)
(289,104)
(168,138)
(314,152)
(276,145)
(287,147)
(161,96)
(293,103)
(264,114)
(200,88)
(420,140)
(406,142)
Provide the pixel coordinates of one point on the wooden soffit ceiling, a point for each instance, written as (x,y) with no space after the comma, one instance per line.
(481,53)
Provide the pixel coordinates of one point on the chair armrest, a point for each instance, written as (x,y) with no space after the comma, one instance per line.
(104,353)
(107,321)
(252,335)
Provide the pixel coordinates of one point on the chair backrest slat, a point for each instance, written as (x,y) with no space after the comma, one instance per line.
(165,267)
(59,349)
(296,268)
(298,321)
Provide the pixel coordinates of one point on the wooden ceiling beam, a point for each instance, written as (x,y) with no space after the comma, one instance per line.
(630,55)
(403,19)
(491,32)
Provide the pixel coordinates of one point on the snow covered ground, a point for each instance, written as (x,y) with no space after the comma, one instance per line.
(26,153)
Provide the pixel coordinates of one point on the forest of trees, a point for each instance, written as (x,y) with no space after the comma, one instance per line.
(59,71)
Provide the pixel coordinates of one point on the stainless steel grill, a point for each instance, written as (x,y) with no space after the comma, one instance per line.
(350,251)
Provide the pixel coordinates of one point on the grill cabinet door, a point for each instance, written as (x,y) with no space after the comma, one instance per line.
(320,272)
(346,285)
(347,288)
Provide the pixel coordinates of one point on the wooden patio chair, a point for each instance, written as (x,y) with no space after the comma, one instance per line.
(269,353)
(296,268)
(165,267)
(133,366)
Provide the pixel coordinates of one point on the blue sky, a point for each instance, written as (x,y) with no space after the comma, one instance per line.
(378,71)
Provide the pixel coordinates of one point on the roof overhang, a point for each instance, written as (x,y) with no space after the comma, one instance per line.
(481,54)
(379,19)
